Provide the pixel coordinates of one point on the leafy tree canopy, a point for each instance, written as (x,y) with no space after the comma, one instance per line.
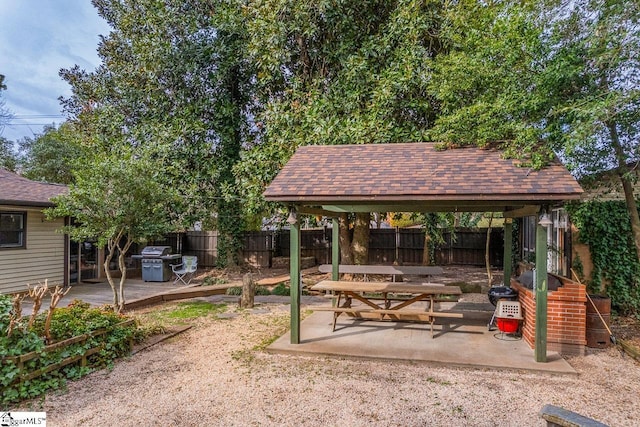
(52,155)
(118,199)
(5,114)
(337,73)
(8,156)
(544,78)
(174,79)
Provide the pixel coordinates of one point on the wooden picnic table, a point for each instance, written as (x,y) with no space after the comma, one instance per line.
(387,270)
(393,306)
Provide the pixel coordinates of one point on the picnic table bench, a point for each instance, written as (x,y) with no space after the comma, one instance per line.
(387,270)
(392,308)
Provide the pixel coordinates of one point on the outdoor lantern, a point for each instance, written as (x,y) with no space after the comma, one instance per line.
(545,221)
(292,217)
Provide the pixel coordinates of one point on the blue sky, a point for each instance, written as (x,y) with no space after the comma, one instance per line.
(37,39)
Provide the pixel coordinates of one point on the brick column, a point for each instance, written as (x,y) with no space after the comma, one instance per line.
(566,316)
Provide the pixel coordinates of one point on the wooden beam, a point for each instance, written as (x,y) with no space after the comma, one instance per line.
(507,258)
(420,207)
(335,249)
(294,284)
(521,212)
(540,350)
(311,210)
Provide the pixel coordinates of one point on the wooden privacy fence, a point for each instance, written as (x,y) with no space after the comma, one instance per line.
(203,244)
(404,246)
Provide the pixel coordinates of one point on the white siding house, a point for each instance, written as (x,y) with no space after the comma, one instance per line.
(31,248)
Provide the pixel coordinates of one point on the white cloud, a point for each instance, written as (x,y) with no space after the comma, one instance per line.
(37,39)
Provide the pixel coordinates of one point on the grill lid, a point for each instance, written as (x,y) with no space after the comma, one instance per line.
(155,251)
(498,292)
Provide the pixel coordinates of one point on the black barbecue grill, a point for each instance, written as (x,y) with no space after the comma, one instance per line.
(156,263)
(497,293)
(502,292)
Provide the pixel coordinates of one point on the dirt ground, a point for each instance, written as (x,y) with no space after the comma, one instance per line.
(217,373)
(626,328)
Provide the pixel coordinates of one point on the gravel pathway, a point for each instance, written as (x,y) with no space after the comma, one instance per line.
(217,375)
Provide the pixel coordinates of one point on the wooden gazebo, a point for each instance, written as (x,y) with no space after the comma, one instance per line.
(417,177)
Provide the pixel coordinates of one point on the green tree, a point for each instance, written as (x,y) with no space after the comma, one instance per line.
(335,73)
(8,156)
(487,82)
(5,115)
(596,67)
(544,78)
(117,199)
(173,77)
(51,155)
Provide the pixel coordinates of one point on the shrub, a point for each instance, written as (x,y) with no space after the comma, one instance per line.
(281,289)
(75,320)
(606,228)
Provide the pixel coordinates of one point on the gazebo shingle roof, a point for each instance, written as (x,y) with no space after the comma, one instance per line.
(415,171)
(19,191)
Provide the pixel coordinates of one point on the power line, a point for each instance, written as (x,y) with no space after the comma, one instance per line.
(28,124)
(37,116)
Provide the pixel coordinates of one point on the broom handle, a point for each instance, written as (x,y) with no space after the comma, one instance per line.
(593,304)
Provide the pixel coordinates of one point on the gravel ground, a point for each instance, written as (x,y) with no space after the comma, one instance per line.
(217,374)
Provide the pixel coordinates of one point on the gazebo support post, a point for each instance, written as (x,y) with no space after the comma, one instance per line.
(294,283)
(506,269)
(540,351)
(335,249)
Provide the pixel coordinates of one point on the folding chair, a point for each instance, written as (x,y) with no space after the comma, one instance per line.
(186,270)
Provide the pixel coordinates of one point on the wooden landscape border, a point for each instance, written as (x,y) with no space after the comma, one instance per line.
(20,360)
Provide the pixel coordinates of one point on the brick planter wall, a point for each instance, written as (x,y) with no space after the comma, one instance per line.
(566,316)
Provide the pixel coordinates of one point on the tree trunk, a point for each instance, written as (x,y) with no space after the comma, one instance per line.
(426,252)
(360,243)
(248,291)
(107,274)
(123,276)
(627,186)
(346,255)
(632,207)
(123,272)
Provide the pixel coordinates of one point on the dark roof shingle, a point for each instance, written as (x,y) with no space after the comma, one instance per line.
(19,191)
(415,171)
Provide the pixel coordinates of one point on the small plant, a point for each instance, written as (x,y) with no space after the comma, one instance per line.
(237,290)
(210,281)
(281,289)
(234,290)
(261,290)
(149,329)
(51,363)
(193,309)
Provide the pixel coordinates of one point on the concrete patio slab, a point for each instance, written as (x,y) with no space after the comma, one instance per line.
(457,342)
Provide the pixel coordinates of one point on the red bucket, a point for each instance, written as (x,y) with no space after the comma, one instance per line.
(508,326)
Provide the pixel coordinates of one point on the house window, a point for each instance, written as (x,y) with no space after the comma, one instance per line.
(529,238)
(12,229)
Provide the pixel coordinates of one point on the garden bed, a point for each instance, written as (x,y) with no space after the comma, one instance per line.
(43,351)
(21,362)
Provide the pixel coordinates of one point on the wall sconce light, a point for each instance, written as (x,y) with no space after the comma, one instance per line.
(292,216)
(545,221)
